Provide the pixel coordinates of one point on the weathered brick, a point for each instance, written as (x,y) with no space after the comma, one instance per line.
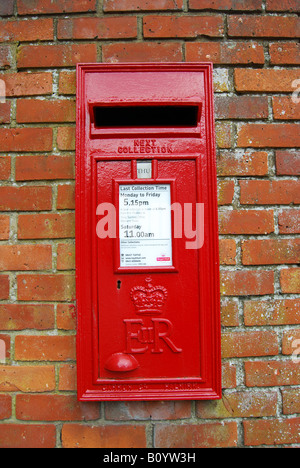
(7,8)
(36,111)
(284,108)
(227,251)
(25,257)
(44,348)
(67,377)
(65,197)
(67,82)
(269,135)
(266,80)
(142,52)
(287,162)
(26,198)
(65,257)
(5,167)
(241,107)
(203,435)
(66,138)
(272,373)
(141,5)
(27,30)
(290,281)
(289,221)
(291,401)
(291,342)
(225,192)
(54,408)
(98,28)
(27,378)
(242,163)
(250,5)
(183,26)
(4,287)
(46,226)
(27,436)
(5,109)
(246,282)
(226,53)
(26,139)
(26,316)
(249,343)
(60,288)
(4,227)
(5,406)
(104,436)
(263,26)
(272,312)
(229,312)
(66,317)
(55,55)
(27,84)
(282,5)
(272,432)
(246,222)
(44,167)
(45,7)
(6,56)
(265,192)
(287,53)
(270,251)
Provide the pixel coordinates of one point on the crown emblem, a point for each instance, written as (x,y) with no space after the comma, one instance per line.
(149,299)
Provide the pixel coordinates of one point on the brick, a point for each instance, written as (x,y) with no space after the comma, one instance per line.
(44,167)
(26,139)
(227,251)
(225,192)
(272,312)
(27,84)
(36,111)
(245,283)
(224,134)
(221,80)
(54,408)
(249,343)
(285,109)
(229,312)
(142,52)
(27,436)
(287,162)
(66,317)
(183,26)
(7,8)
(26,316)
(242,163)
(66,138)
(65,197)
(270,251)
(291,342)
(104,436)
(65,257)
(27,378)
(5,167)
(55,55)
(46,226)
(4,227)
(291,401)
(30,198)
(265,81)
(279,5)
(5,342)
(67,83)
(60,288)
(241,107)
(289,221)
(228,375)
(153,410)
(141,5)
(98,28)
(5,406)
(246,222)
(4,287)
(271,432)
(287,53)
(25,257)
(239,405)
(265,192)
(226,5)
(201,435)
(6,56)
(290,281)
(269,135)
(225,53)
(272,373)
(5,112)
(44,7)
(263,26)
(44,348)
(67,377)
(19,30)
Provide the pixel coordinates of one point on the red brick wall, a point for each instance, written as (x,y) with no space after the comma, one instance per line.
(255,51)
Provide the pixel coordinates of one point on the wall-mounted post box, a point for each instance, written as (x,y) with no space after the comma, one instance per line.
(147,257)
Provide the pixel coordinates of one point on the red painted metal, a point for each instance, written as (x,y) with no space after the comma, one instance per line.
(147,329)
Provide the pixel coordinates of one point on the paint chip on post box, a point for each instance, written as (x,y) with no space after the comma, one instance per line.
(147,233)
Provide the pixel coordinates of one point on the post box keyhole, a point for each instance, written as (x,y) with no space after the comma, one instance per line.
(119,284)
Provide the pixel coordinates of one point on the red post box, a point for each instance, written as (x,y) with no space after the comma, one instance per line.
(147,261)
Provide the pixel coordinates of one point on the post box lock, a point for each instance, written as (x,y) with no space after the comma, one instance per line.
(147,263)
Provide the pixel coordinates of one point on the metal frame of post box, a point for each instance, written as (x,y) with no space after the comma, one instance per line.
(99,146)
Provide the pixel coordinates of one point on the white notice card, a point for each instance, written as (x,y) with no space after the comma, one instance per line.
(145,225)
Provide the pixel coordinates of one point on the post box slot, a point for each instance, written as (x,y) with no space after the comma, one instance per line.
(146,116)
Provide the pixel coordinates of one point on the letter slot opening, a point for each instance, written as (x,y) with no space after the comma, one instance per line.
(146,116)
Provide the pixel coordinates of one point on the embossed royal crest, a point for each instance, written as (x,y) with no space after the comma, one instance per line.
(149,299)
